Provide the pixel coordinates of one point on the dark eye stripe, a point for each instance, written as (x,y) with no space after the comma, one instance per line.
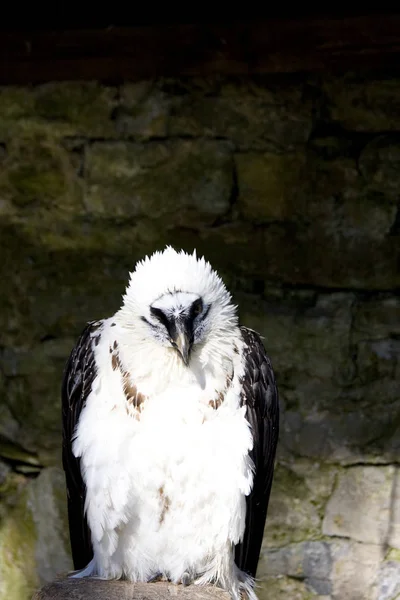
(160,315)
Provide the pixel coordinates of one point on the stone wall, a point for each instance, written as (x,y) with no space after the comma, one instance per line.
(290,187)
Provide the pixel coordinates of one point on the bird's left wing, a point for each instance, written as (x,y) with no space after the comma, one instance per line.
(79,374)
(260,396)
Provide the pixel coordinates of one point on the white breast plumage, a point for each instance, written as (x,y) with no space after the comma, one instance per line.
(165,450)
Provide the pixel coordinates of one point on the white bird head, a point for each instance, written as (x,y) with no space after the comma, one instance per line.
(179,301)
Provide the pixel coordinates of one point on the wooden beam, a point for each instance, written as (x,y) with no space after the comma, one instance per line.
(97,589)
(279,45)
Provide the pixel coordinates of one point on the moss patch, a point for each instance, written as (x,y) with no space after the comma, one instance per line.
(38,173)
(18,577)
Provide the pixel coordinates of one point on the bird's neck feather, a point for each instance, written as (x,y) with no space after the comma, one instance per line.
(146,359)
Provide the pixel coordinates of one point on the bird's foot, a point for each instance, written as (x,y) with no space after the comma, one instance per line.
(158,577)
(186,579)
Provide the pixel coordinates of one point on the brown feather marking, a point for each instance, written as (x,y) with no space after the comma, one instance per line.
(130,390)
(220,399)
(114,362)
(140,398)
(216,403)
(165,504)
(133,397)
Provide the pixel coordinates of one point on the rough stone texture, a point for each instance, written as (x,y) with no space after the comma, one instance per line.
(33,533)
(363,103)
(176,182)
(70,108)
(394,530)
(262,113)
(143,112)
(360,505)
(267,185)
(310,562)
(18,576)
(284,587)
(295,513)
(387,586)
(290,186)
(47,502)
(354,570)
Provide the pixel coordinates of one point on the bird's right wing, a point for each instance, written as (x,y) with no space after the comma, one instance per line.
(260,396)
(79,374)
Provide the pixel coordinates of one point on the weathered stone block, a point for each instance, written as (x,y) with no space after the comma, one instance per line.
(318,380)
(360,506)
(338,569)
(283,588)
(254,115)
(52,290)
(364,103)
(379,360)
(344,435)
(33,537)
(77,108)
(309,561)
(387,583)
(355,567)
(299,493)
(350,213)
(32,394)
(39,174)
(394,530)
(329,228)
(142,111)
(63,108)
(379,164)
(177,183)
(47,503)
(377,318)
(268,185)
(335,261)
(18,575)
(309,347)
(16,106)
(332,209)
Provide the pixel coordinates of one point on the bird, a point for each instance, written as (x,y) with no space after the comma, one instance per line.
(170,417)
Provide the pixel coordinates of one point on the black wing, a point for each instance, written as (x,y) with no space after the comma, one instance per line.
(260,395)
(79,374)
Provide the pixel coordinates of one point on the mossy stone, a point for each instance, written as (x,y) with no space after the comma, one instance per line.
(18,574)
(174,183)
(269,185)
(364,103)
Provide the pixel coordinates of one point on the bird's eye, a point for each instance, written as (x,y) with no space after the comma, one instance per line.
(197,307)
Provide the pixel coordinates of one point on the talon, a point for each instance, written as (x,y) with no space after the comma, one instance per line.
(186,579)
(155,578)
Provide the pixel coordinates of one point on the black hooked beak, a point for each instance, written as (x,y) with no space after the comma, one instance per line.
(182,338)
